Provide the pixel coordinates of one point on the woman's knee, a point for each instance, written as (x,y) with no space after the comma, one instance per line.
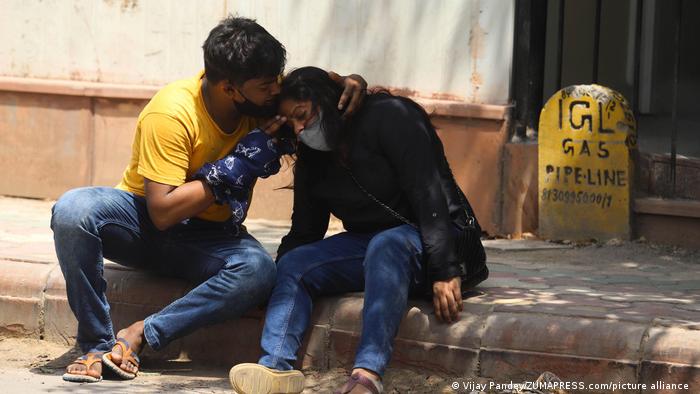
(293,262)
(397,241)
(394,253)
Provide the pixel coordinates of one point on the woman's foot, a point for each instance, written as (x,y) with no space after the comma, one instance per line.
(362,381)
(257,379)
(123,359)
(87,368)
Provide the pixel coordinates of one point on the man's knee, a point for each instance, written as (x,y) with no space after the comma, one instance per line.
(260,268)
(266,267)
(72,209)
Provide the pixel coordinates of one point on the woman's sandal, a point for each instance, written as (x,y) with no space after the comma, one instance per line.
(370,386)
(128,355)
(88,360)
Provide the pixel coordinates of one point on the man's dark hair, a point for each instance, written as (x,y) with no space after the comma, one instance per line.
(238,49)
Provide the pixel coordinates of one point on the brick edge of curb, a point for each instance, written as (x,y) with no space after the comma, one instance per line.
(485,343)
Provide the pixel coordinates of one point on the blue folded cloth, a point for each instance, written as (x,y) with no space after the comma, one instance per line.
(257,155)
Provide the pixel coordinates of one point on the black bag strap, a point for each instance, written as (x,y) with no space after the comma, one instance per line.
(470,218)
(387,208)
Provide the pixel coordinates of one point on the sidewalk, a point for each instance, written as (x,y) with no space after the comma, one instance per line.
(620,313)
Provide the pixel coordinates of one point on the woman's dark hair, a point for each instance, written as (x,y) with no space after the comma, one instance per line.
(239,49)
(314,84)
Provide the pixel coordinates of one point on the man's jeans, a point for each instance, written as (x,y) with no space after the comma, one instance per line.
(233,273)
(386,265)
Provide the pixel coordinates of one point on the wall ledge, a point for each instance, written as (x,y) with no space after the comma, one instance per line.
(461,109)
(668,207)
(437,107)
(77,88)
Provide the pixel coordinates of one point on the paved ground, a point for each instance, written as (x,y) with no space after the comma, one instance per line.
(579,287)
(34,366)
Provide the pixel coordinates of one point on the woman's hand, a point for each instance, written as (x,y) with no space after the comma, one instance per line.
(447,299)
(354,89)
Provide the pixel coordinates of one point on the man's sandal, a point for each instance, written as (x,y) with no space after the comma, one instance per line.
(128,355)
(88,361)
(369,386)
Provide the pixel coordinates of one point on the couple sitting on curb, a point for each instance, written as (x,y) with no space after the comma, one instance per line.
(200,144)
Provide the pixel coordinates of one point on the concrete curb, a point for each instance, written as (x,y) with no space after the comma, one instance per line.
(488,341)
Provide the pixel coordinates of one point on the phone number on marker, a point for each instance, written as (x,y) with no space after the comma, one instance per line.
(604,200)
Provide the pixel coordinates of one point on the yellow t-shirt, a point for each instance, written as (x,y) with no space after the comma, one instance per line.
(175,136)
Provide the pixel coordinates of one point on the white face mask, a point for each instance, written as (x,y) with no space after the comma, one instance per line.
(313,136)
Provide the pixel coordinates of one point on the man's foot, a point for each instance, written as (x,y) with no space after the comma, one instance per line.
(362,381)
(85,369)
(124,359)
(257,379)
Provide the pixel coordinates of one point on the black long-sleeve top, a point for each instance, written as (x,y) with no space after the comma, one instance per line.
(395,155)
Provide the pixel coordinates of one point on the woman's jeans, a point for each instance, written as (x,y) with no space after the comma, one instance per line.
(233,272)
(386,265)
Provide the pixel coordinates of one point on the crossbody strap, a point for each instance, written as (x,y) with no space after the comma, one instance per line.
(470,219)
(387,208)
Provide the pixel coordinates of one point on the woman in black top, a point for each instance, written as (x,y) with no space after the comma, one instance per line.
(382,168)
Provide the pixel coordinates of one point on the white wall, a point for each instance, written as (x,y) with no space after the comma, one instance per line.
(459,49)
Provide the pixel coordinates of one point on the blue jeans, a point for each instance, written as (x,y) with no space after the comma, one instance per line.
(232,272)
(386,265)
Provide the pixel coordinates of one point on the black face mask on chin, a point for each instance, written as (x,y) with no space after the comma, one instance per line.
(249,108)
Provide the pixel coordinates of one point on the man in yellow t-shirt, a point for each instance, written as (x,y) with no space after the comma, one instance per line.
(160,219)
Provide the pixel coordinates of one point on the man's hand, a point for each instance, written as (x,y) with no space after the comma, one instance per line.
(274,124)
(354,90)
(271,128)
(447,299)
